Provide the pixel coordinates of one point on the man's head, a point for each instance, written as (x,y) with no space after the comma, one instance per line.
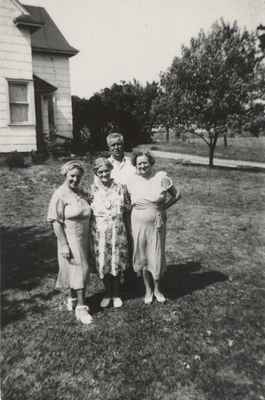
(115,144)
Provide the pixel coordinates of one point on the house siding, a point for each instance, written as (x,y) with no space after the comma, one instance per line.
(15,63)
(54,69)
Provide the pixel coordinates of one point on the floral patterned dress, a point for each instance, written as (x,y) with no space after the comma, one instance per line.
(109,233)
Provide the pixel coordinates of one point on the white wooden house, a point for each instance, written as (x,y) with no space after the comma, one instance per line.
(35,95)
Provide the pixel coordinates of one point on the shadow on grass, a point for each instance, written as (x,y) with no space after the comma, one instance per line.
(184,279)
(29,255)
(17,309)
(94,302)
(179,280)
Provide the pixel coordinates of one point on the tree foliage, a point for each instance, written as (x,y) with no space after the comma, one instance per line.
(164,110)
(211,80)
(261,36)
(124,107)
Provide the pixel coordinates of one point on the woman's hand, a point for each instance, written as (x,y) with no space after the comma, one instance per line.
(90,198)
(174,197)
(66,252)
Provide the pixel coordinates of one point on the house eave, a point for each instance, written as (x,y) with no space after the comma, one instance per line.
(68,53)
(43,86)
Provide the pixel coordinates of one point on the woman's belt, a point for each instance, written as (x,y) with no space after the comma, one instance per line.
(160,217)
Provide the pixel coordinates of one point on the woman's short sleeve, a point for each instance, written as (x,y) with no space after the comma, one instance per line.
(165,182)
(56,209)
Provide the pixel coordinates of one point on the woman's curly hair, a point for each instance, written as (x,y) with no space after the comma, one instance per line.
(146,153)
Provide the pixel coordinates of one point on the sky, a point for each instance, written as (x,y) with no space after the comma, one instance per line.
(119,40)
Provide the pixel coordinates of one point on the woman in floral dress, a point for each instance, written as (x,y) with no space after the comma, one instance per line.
(110,204)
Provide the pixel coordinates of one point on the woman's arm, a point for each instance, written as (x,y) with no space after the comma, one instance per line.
(174,197)
(60,234)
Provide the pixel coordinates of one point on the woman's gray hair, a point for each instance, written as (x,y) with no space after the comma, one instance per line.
(146,153)
(114,136)
(65,168)
(101,162)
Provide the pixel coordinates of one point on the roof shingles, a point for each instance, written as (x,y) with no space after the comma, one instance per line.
(48,39)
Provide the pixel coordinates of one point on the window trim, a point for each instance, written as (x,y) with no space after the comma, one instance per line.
(28,83)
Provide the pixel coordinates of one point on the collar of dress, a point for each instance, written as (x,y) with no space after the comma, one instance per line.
(99,185)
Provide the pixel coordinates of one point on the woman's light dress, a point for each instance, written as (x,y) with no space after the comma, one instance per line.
(73,212)
(148,221)
(108,228)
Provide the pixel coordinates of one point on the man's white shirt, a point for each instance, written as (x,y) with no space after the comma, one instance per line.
(122,171)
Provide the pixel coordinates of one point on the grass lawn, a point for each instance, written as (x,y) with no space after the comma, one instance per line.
(239,148)
(206,342)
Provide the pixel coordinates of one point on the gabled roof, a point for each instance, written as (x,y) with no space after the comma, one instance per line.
(48,38)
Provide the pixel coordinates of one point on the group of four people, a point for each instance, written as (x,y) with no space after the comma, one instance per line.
(126,205)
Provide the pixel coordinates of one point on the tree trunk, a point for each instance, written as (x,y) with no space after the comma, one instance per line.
(211,154)
(167,134)
(212,146)
(177,132)
(225,140)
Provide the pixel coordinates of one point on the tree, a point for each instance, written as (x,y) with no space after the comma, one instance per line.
(261,36)
(256,109)
(79,123)
(164,111)
(129,109)
(89,119)
(124,107)
(211,81)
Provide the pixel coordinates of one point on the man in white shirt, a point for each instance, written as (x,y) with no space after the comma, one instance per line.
(122,166)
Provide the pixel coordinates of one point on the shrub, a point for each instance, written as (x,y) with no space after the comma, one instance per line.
(257,126)
(56,149)
(38,157)
(15,160)
(81,148)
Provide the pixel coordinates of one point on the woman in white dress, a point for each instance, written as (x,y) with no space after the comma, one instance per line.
(152,193)
(69,212)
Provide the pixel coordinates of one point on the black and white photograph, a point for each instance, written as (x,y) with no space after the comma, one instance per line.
(132,200)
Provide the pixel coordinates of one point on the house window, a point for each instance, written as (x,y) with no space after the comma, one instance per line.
(19,102)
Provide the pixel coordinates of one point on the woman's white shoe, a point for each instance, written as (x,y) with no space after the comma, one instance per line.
(148,298)
(82,315)
(105,302)
(117,302)
(71,303)
(159,297)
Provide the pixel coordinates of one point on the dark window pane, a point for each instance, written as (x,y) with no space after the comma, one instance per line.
(17,92)
(19,113)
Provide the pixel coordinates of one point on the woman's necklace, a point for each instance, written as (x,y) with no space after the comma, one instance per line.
(106,199)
